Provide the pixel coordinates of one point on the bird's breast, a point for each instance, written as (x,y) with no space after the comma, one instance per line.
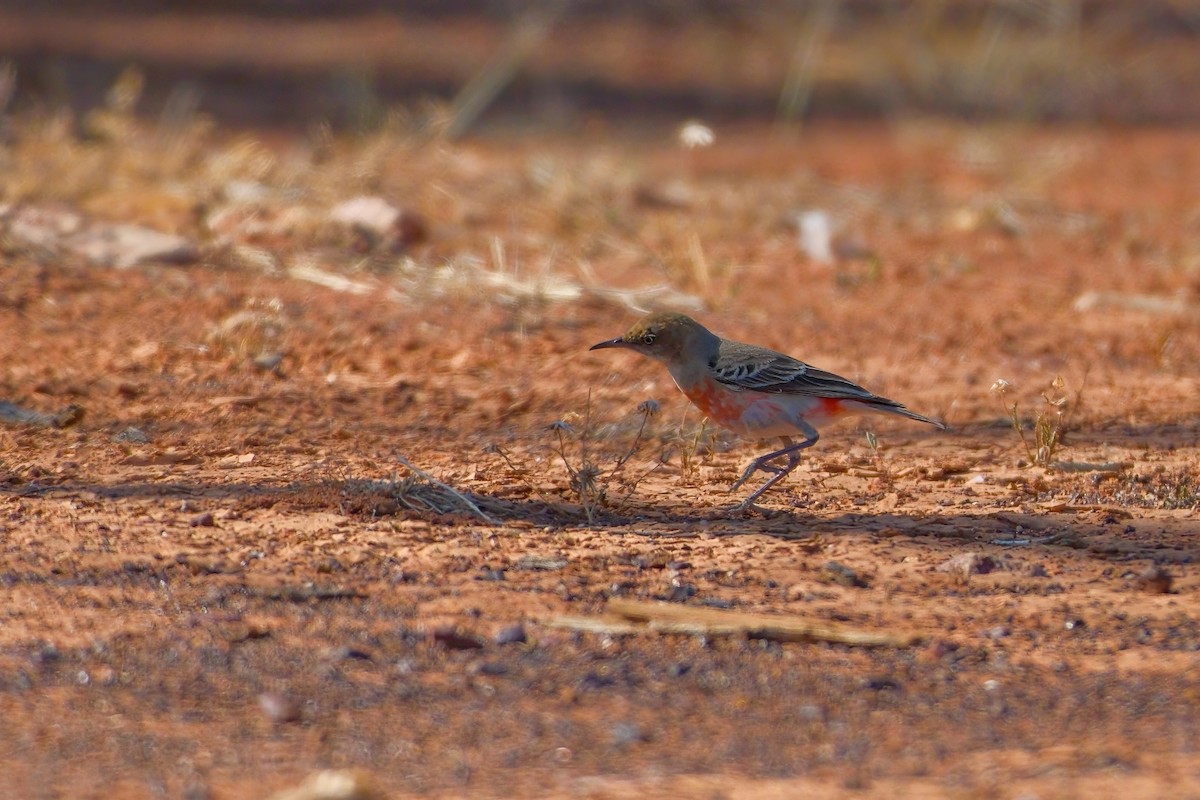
(757,414)
(742,411)
(720,404)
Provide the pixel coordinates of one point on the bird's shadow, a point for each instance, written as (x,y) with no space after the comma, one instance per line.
(368,500)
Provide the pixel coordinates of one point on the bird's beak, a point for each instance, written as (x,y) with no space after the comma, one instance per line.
(617,342)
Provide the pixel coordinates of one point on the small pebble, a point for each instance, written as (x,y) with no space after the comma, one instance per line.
(1155,580)
(492,668)
(542,563)
(679,594)
(47,654)
(280,708)
(835,572)
(345,653)
(268,362)
(969,564)
(627,733)
(454,639)
(811,713)
(133,436)
(513,634)
(678,670)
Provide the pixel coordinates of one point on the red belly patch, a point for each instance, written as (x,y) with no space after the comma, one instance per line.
(718,404)
(760,413)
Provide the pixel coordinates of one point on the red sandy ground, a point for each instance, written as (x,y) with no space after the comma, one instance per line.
(152,592)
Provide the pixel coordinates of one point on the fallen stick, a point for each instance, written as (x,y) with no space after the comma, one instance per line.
(675,618)
(600,625)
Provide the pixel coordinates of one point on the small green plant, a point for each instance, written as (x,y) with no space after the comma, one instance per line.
(588,480)
(1049,423)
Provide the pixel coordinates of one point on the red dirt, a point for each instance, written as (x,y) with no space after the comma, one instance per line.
(155,592)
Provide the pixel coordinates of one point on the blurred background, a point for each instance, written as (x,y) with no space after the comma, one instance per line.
(491,64)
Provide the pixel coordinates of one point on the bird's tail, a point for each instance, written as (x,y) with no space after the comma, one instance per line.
(892,407)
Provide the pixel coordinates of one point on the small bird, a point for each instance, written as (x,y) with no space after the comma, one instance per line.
(751,390)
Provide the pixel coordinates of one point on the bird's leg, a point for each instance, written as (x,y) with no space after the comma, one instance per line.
(790,449)
(763,463)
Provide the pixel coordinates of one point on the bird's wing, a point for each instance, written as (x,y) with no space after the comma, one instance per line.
(741,366)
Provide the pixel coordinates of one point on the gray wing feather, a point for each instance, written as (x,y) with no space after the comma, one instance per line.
(746,367)
(742,366)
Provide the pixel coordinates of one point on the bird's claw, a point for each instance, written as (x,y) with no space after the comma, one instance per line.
(755,467)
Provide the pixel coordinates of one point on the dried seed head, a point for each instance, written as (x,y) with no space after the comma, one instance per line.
(694,134)
(584,481)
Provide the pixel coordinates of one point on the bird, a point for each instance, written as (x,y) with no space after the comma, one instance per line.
(751,390)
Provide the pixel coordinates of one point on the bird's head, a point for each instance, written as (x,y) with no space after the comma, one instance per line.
(666,336)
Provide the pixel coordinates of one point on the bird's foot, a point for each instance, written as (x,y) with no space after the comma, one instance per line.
(764,464)
(755,467)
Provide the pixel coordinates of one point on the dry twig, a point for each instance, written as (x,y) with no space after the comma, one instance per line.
(675,618)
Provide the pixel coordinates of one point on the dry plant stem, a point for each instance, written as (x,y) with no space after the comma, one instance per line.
(672,617)
(519,473)
(637,440)
(881,467)
(1015,419)
(592,492)
(500,451)
(687,466)
(633,486)
(1048,426)
(466,501)
(562,453)
(583,480)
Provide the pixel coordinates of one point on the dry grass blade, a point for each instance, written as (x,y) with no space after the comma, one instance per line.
(330,280)
(482,89)
(710,621)
(800,80)
(462,499)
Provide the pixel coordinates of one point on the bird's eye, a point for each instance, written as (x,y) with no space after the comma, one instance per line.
(648,338)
